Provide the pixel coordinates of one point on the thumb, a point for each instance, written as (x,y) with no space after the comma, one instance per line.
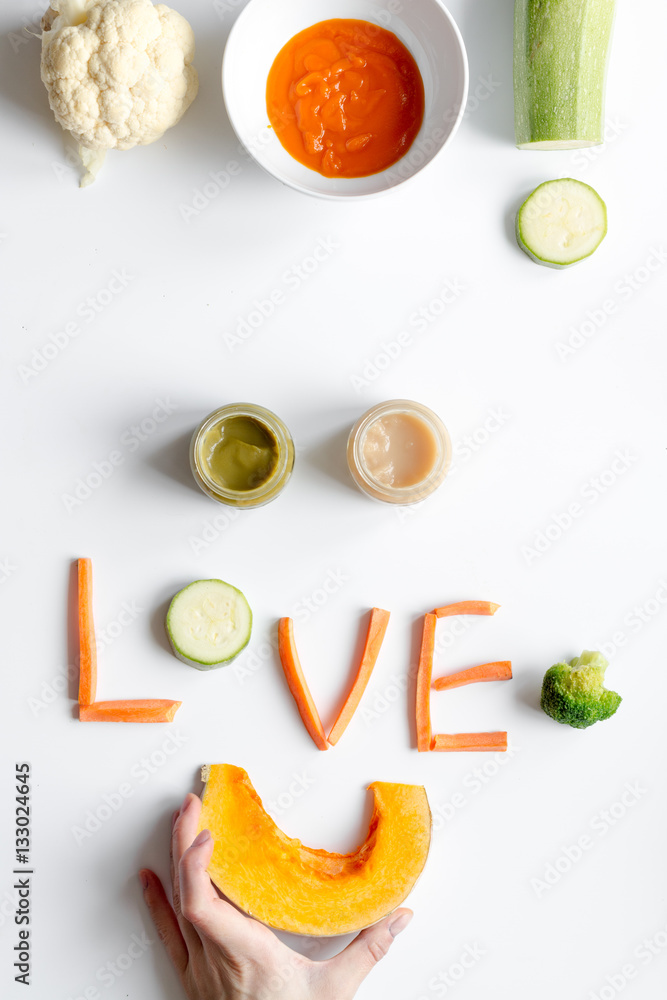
(349,969)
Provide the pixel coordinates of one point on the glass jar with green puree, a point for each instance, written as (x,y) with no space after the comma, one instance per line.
(242,455)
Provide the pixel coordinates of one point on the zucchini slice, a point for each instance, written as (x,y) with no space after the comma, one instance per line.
(208,623)
(561,222)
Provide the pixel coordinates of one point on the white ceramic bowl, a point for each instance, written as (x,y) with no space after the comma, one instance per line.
(427,29)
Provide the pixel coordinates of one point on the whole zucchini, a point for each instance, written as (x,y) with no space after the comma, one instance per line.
(560,63)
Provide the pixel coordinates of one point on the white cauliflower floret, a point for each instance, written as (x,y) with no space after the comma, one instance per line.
(118,73)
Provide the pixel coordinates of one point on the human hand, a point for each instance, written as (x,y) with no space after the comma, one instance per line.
(221,954)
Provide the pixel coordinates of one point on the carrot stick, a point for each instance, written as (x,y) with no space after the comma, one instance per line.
(147,710)
(377,626)
(469,741)
(87,645)
(423,692)
(499,670)
(297,683)
(467,608)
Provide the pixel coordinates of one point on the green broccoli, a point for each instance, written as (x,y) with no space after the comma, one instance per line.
(574,693)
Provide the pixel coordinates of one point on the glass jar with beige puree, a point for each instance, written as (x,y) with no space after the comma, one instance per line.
(399,452)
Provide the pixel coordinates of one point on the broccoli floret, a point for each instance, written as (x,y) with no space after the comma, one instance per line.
(574,693)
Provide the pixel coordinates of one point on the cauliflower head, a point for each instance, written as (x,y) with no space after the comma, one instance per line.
(118,73)
(574,693)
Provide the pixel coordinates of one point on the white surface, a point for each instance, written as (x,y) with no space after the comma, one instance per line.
(195,275)
(424,26)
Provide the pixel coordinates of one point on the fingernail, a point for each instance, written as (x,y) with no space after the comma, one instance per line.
(201,838)
(399,924)
(143,878)
(174,816)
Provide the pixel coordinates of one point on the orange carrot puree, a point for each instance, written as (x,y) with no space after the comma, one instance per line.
(345,98)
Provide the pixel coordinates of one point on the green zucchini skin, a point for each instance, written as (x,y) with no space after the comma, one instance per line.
(560,63)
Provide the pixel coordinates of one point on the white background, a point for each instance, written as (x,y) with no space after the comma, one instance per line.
(559,423)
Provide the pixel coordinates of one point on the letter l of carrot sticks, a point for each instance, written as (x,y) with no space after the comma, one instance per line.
(130,710)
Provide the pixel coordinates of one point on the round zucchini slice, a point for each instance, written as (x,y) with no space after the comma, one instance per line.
(561,222)
(208,623)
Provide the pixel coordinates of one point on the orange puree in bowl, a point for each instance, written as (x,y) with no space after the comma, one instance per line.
(345,98)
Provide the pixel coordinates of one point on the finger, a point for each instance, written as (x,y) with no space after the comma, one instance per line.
(350,968)
(183,833)
(197,893)
(165,920)
(201,905)
(173,860)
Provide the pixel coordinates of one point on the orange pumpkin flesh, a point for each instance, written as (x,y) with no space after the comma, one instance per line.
(277,880)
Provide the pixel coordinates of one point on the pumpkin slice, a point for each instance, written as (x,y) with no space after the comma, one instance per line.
(277,880)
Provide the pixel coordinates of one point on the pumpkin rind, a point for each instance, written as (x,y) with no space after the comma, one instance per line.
(277,880)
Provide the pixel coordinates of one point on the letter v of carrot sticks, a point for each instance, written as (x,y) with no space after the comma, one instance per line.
(289,658)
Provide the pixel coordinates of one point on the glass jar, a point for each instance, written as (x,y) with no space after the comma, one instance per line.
(242,455)
(399,452)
